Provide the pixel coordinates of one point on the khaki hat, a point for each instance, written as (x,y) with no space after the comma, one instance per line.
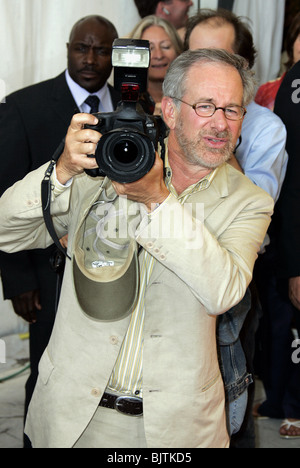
(105,263)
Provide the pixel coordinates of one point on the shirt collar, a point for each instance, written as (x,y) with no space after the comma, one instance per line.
(202,184)
(80,94)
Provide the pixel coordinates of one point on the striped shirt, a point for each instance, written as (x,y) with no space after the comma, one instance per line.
(127,375)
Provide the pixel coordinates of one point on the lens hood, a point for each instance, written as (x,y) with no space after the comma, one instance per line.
(125,155)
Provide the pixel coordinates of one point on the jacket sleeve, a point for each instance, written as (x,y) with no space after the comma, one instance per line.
(22,224)
(217,266)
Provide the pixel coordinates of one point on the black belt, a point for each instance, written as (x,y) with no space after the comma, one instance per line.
(124,404)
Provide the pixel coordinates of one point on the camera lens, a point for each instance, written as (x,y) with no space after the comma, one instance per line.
(125,155)
(125,152)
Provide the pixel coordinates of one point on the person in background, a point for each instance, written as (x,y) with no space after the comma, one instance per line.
(165,46)
(263,159)
(267,92)
(33,122)
(174,11)
(280,280)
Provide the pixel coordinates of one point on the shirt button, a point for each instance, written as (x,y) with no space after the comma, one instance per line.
(149,245)
(96,393)
(114,340)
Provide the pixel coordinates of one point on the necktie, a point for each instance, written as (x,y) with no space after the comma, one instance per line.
(93,101)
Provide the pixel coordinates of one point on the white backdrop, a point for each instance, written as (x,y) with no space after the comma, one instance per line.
(266,23)
(33,34)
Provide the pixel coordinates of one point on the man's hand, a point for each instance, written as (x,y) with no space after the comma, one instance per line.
(149,190)
(294,291)
(25,305)
(79,143)
(64,241)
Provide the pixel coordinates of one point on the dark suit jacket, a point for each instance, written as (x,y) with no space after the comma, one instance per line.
(33,121)
(287,212)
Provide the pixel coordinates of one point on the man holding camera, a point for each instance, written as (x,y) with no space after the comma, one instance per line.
(135,333)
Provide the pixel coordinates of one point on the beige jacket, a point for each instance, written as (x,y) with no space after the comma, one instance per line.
(193,281)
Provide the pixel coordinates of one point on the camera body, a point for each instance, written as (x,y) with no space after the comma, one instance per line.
(130,136)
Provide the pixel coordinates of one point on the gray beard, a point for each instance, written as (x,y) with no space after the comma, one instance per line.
(196,152)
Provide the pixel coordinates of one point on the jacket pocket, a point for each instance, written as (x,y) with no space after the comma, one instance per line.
(211,383)
(45,368)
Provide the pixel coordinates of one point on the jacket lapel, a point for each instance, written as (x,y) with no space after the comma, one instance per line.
(63,101)
(115,96)
(210,199)
(214,195)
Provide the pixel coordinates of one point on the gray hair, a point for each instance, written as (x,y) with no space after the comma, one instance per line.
(175,83)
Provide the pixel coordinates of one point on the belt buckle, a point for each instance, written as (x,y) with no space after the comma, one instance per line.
(134,405)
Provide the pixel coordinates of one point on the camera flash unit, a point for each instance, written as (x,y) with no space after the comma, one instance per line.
(125,54)
(131,60)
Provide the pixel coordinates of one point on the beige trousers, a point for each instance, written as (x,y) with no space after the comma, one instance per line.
(111,429)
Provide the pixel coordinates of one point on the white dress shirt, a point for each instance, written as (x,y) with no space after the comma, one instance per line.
(80,94)
(262,154)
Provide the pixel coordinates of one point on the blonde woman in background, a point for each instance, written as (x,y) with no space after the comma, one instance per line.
(165,46)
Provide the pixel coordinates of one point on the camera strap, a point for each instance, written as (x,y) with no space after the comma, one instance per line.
(238,145)
(46,198)
(46,188)
(163,132)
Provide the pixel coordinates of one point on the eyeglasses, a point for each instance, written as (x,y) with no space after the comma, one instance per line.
(207,109)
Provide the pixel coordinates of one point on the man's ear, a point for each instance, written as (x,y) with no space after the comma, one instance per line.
(162,11)
(169,111)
